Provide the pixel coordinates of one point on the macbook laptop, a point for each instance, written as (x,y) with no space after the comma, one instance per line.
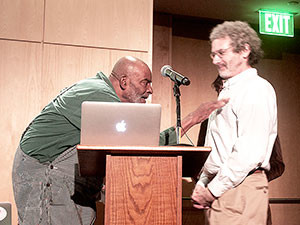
(120,124)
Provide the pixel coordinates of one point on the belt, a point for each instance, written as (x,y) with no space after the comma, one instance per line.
(258,170)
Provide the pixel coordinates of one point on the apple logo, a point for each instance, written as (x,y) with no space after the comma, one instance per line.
(121,126)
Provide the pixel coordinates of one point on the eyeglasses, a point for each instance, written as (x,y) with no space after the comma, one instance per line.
(220,53)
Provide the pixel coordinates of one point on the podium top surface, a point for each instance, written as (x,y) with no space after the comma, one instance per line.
(181,149)
(92,159)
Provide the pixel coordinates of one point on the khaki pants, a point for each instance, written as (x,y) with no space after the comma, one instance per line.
(246,204)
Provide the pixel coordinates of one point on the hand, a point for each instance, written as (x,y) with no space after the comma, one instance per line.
(201,114)
(202,197)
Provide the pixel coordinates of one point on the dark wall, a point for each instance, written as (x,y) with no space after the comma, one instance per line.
(199,28)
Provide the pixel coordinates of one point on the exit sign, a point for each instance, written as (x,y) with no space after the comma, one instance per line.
(276,23)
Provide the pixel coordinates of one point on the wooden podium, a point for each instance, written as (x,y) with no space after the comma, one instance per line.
(143,184)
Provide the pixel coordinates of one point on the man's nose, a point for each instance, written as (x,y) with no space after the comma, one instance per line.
(150,89)
(216,59)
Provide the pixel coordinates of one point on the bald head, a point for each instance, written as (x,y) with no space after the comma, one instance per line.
(131,79)
(130,65)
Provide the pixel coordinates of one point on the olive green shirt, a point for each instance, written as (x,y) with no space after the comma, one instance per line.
(57,127)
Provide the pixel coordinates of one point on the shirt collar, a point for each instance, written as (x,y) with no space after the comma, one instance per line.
(102,76)
(239,77)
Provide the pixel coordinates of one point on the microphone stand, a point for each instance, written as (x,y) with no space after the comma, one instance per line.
(178,120)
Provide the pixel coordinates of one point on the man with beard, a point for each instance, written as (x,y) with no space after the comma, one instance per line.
(44,170)
(233,186)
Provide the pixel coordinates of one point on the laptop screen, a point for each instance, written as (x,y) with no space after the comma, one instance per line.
(120,124)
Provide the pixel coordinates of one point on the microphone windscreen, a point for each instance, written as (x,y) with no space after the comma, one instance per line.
(164,69)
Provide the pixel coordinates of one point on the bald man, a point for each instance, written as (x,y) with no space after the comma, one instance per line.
(46,184)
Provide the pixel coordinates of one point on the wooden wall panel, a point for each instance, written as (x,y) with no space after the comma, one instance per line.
(65,65)
(20,93)
(87,36)
(21,19)
(191,58)
(20,90)
(162,86)
(110,24)
(285,214)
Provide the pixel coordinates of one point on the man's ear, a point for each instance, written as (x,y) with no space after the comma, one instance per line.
(123,82)
(246,52)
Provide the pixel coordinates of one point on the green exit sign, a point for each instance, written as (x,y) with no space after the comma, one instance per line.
(276,23)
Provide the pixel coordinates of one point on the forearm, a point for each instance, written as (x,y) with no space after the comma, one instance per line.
(201,114)
(188,122)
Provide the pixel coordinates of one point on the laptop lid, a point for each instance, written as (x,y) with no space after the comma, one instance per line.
(120,124)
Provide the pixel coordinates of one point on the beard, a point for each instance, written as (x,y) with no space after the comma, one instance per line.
(135,95)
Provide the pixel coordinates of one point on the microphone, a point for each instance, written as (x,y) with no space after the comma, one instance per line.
(167,71)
